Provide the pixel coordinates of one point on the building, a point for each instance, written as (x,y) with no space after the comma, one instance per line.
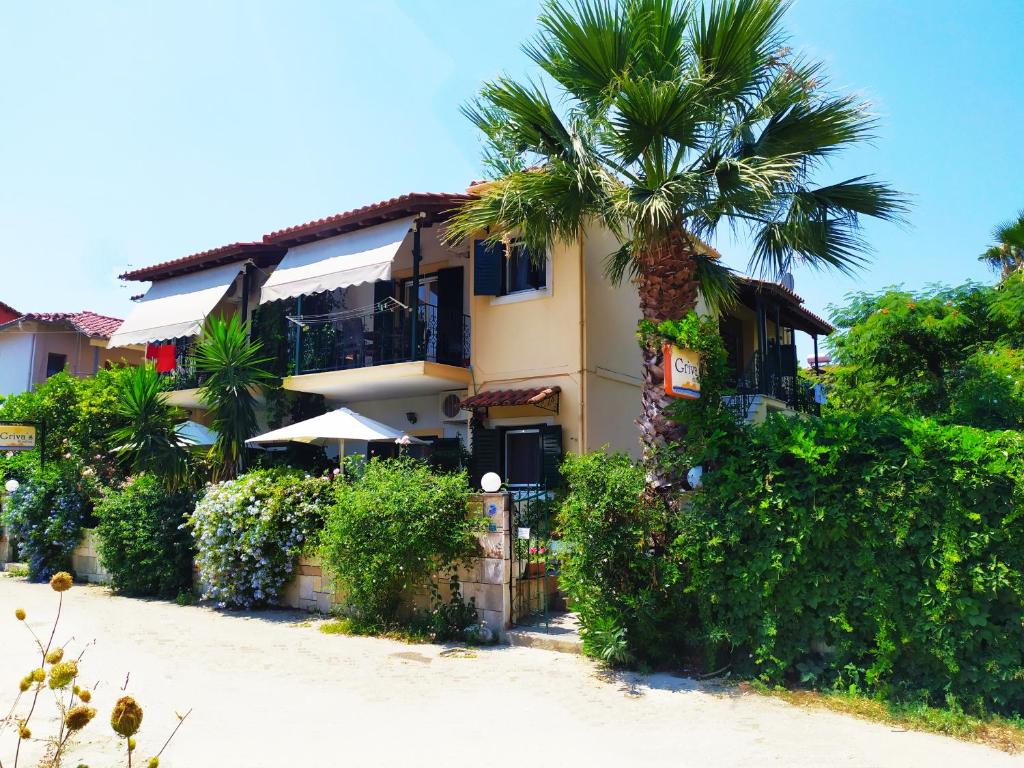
(519,356)
(7,313)
(35,346)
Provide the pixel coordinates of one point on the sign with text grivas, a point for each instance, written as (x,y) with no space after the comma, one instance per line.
(18,437)
(682,372)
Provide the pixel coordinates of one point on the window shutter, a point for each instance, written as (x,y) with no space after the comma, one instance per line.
(487,258)
(446,454)
(486,453)
(383,324)
(551,455)
(450,316)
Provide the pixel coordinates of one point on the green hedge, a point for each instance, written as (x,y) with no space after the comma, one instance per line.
(141,540)
(395,526)
(876,552)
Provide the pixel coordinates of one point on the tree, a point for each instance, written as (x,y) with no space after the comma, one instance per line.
(236,372)
(147,440)
(1006,255)
(671,120)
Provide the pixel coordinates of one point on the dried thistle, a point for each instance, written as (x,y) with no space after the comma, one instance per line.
(61,581)
(126,718)
(63,673)
(79,717)
(54,656)
(19,614)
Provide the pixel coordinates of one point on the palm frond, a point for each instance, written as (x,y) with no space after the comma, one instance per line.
(716,282)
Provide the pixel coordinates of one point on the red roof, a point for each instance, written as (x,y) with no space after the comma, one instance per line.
(259,252)
(272,247)
(89,323)
(386,210)
(532,396)
(6,310)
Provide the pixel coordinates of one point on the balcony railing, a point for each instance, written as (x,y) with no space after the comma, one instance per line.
(763,376)
(382,335)
(184,375)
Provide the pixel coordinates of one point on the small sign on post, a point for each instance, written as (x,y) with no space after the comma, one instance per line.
(682,372)
(17,436)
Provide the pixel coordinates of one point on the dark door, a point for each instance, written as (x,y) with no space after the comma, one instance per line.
(450,317)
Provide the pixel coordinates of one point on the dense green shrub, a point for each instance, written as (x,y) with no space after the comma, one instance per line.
(249,531)
(614,569)
(46,516)
(871,551)
(395,527)
(142,542)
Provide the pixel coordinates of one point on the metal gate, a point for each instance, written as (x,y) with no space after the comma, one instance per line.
(534,584)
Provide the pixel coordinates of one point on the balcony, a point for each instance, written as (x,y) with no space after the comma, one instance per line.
(182,384)
(389,350)
(771,377)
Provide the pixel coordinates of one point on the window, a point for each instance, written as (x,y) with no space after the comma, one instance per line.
(523,272)
(55,364)
(523,457)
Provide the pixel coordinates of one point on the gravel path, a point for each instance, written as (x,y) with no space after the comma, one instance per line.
(268,689)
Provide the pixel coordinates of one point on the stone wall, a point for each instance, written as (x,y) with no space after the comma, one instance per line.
(485,579)
(85,560)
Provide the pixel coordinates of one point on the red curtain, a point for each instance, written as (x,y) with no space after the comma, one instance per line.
(164,355)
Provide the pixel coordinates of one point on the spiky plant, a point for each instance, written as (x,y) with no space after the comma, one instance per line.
(235,373)
(673,118)
(148,442)
(1006,254)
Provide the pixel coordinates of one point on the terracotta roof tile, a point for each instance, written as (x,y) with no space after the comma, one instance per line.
(392,207)
(495,397)
(203,259)
(91,324)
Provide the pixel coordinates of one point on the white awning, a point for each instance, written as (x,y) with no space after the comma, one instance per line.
(362,256)
(176,307)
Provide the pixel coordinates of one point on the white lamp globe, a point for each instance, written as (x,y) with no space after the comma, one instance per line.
(490,482)
(12,485)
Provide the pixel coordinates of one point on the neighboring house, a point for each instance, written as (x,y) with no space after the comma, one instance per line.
(7,313)
(520,358)
(37,345)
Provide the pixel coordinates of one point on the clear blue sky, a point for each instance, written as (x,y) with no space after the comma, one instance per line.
(139,132)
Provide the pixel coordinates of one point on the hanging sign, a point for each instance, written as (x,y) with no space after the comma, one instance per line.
(682,372)
(17,437)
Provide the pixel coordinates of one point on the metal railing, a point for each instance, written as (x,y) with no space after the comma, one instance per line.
(184,375)
(761,378)
(379,336)
(536,561)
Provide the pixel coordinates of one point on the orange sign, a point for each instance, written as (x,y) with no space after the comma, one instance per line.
(17,437)
(682,372)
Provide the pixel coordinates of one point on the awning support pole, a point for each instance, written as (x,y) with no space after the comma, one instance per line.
(817,367)
(415,303)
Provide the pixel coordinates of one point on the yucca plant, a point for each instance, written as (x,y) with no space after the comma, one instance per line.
(1006,255)
(235,373)
(148,441)
(671,119)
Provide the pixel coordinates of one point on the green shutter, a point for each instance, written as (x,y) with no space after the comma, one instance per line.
(486,453)
(551,455)
(487,261)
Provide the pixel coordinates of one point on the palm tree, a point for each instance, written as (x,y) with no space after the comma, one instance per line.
(1006,256)
(235,374)
(148,441)
(671,119)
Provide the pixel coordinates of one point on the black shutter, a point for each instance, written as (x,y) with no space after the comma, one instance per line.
(449,316)
(383,324)
(487,260)
(551,455)
(485,455)
(446,454)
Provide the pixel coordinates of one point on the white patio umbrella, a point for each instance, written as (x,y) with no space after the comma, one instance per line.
(335,426)
(195,435)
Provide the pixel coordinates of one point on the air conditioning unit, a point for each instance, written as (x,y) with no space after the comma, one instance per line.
(448,407)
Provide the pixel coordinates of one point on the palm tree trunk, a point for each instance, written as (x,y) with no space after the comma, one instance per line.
(667,283)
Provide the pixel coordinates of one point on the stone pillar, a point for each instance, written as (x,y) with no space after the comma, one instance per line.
(487,578)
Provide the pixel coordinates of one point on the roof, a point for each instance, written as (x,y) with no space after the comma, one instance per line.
(533,396)
(262,254)
(91,324)
(271,248)
(798,315)
(375,213)
(4,307)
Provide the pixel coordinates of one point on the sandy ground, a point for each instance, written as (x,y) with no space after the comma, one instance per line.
(268,689)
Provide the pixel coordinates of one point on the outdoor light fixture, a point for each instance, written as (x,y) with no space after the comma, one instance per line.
(490,482)
(12,485)
(411,416)
(693,477)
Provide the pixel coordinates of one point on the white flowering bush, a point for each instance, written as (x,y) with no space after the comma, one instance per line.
(249,531)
